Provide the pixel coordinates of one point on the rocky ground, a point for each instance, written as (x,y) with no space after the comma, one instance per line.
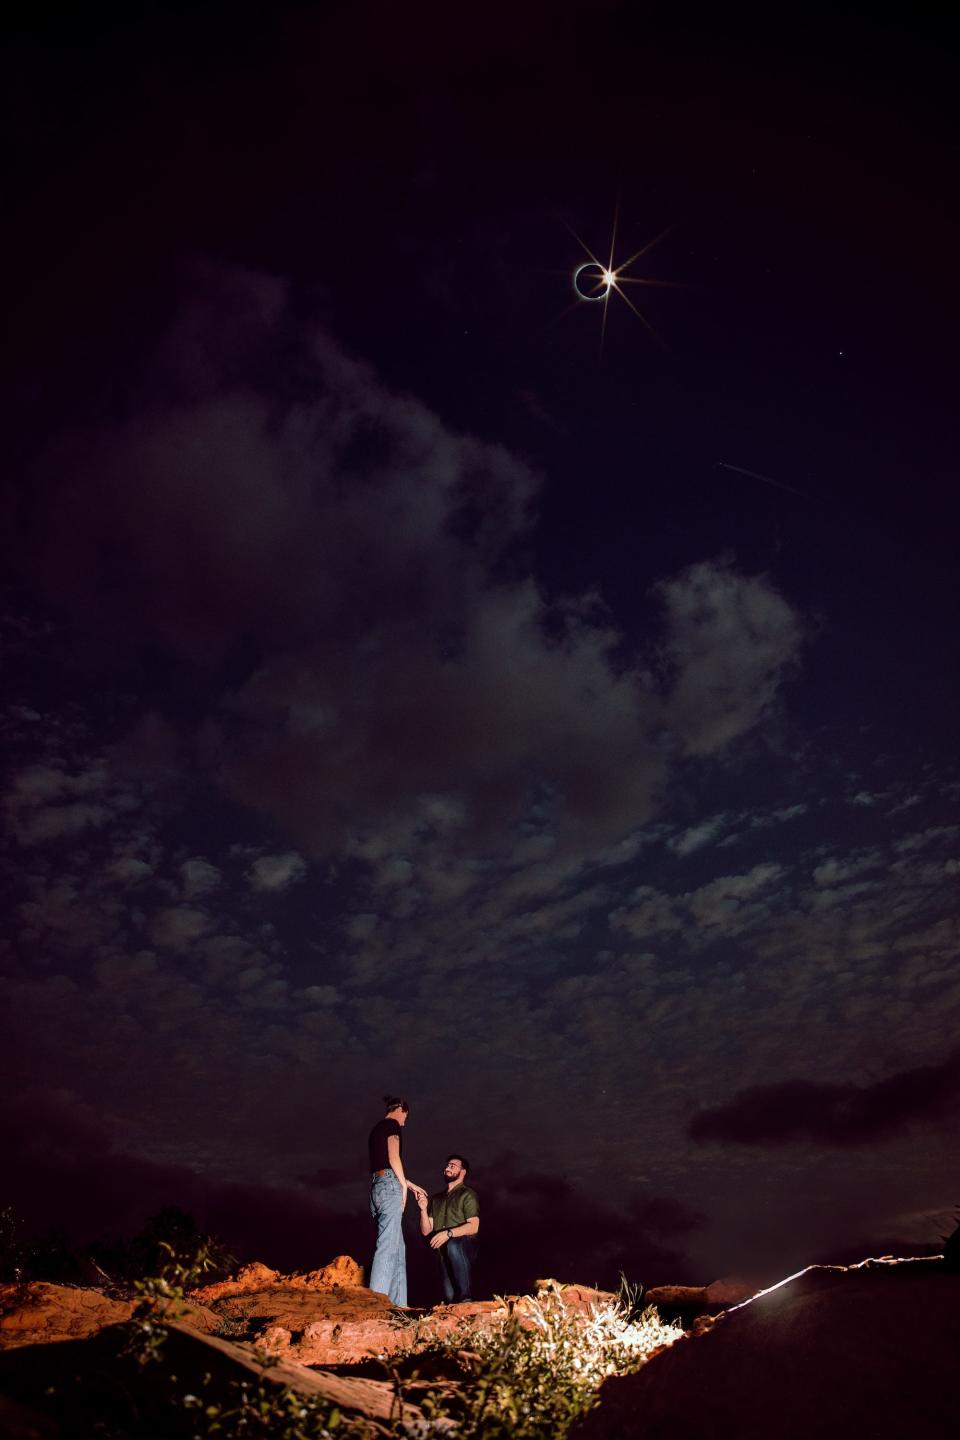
(302,1330)
(877,1345)
(322,1317)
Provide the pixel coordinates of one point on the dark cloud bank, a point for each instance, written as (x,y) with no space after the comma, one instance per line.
(799,1110)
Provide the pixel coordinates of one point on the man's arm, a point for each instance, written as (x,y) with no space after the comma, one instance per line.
(457,1232)
(426,1219)
(469,1226)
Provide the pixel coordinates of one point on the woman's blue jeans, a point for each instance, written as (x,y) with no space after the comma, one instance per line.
(388,1273)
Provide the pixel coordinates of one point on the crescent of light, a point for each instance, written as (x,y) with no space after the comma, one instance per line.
(589,265)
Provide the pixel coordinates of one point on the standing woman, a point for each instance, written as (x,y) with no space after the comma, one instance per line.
(388,1198)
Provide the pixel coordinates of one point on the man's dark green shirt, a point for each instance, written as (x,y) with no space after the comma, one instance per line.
(453,1207)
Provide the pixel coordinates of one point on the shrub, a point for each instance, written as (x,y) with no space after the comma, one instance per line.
(531,1380)
(527,1377)
(162,1296)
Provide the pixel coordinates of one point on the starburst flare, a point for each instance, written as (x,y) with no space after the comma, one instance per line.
(595,280)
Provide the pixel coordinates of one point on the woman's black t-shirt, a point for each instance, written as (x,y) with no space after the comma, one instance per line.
(379,1159)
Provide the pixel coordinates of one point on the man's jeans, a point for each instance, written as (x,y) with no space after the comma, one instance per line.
(388,1273)
(456,1265)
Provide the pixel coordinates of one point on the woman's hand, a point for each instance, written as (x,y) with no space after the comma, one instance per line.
(421,1195)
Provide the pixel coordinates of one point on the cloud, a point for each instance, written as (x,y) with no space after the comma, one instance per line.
(199,877)
(731,640)
(277,872)
(56,821)
(129,870)
(354,563)
(178,926)
(696,836)
(50,802)
(837,871)
(800,1110)
(728,905)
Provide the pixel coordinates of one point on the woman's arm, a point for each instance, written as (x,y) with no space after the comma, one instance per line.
(396,1164)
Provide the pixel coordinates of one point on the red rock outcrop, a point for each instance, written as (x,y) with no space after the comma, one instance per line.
(340,1326)
(833,1352)
(37,1313)
(321,1317)
(312,1323)
(341,1271)
(250,1277)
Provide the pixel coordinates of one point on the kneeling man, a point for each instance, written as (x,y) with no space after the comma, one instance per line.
(452,1219)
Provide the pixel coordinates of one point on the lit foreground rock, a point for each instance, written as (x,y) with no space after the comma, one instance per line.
(320,1317)
(62,1362)
(838,1352)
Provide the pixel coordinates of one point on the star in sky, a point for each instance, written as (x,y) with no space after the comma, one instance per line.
(595,280)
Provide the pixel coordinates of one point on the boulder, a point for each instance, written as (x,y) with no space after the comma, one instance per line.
(677,1297)
(335,1326)
(346,1326)
(250,1277)
(341,1271)
(37,1313)
(835,1351)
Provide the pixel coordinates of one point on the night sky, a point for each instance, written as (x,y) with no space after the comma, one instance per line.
(403,692)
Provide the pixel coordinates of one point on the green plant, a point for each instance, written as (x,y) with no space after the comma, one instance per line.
(162,1297)
(532,1376)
